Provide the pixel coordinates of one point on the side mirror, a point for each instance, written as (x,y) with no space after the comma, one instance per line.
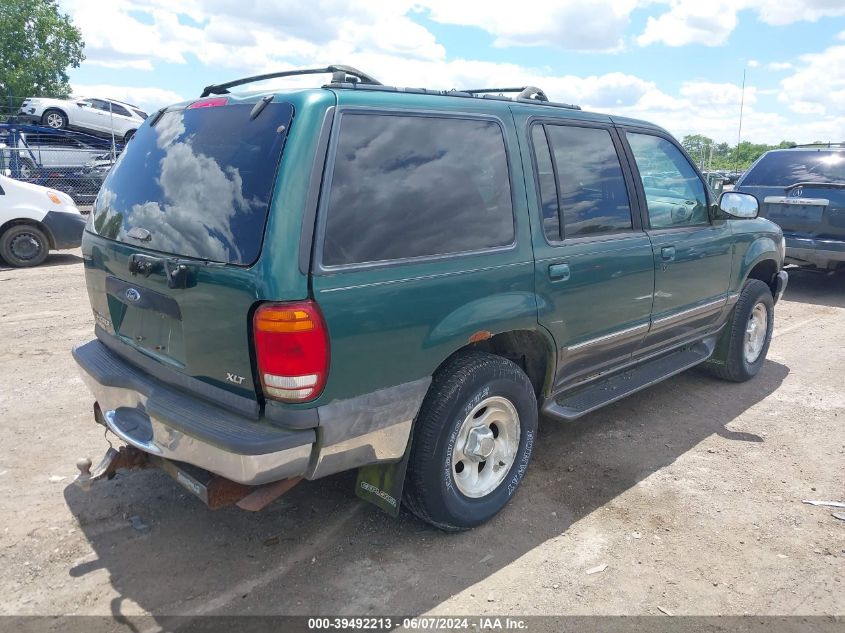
(739,205)
(82,104)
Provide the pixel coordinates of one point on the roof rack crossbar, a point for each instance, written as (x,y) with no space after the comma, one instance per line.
(339,74)
(525,92)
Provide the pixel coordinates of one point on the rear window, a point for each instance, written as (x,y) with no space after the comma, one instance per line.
(416,186)
(782,169)
(200,181)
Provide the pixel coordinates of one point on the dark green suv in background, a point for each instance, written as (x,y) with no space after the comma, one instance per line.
(292,284)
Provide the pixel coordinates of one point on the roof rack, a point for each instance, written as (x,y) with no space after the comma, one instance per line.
(340,74)
(349,78)
(525,92)
(822,144)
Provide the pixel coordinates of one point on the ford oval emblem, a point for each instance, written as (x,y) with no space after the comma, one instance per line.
(133,295)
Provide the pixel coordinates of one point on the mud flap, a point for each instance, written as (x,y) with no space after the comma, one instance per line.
(382,484)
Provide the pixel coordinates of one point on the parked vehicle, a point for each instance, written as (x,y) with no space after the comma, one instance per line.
(102,116)
(803,190)
(68,161)
(35,220)
(400,281)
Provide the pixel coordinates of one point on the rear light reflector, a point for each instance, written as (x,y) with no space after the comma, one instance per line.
(292,350)
(209,103)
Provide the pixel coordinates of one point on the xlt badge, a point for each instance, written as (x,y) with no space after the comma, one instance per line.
(238,380)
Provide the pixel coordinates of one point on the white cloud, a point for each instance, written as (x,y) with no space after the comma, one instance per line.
(753,63)
(711,23)
(818,84)
(241,38)
(691,22)
(587,25)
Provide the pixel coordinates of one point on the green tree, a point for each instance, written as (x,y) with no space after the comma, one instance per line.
(38,44)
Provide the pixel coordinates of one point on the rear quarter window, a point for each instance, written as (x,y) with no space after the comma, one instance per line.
(416,186)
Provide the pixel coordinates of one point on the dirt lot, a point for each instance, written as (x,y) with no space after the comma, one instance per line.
(689,492)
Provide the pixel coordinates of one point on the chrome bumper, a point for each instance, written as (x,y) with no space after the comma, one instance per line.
(149,415)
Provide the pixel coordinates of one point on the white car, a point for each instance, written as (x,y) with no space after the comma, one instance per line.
(93,115)
(35,220)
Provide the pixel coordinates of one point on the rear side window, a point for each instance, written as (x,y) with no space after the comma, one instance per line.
(416,186)
(200,182)
(782,169)
(548,186)
(592,194)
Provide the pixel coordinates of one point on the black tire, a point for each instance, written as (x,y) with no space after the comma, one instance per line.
(24,245)
(467,380)
(128,136)
(55,119)
(729,361)
(27,169)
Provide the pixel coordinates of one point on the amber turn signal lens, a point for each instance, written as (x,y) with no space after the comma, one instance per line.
(276,320)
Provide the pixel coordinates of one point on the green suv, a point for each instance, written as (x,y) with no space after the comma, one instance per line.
(398,281)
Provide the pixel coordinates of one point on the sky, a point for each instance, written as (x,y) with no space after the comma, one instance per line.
(676,63)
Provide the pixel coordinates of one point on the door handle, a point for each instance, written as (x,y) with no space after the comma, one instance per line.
(559,272)
(667,253)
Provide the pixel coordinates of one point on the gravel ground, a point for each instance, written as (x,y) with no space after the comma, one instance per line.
(687,496)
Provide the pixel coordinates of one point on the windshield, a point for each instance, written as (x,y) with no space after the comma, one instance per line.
(200,182)
(782,169)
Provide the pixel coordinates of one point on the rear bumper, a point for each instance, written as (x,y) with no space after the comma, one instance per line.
(816,252)
(151,414)
(158,419)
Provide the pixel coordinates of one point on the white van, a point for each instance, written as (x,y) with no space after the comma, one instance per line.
(35,220)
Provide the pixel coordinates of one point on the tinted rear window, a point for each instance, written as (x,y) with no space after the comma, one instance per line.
(593,195)
(782,169)
(200,182)
(415,186)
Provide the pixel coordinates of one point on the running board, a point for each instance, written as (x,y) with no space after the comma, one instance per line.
(572,405)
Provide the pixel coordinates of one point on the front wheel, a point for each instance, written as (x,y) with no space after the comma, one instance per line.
(745,340)
(472,443)
(23,246)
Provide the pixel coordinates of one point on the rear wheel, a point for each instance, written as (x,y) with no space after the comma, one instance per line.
(24,245)
(744,343)
(55,119)
(128,136)
(473,440)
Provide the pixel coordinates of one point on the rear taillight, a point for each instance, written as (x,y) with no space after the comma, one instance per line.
(292,349)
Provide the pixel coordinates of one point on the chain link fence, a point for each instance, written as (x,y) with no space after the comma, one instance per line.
(71,162)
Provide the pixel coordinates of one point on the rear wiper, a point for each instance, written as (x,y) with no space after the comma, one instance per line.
(259,107)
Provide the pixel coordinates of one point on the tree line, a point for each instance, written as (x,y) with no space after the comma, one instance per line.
(710,155)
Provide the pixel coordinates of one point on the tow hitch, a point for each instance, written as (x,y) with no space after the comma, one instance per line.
(213,490)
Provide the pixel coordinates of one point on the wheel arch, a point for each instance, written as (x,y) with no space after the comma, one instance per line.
(531,349)
(29,222)
(761,261)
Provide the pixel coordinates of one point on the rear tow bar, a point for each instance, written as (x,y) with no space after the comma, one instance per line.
(215,491)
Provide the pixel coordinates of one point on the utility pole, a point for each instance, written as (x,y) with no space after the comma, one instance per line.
(739,133)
